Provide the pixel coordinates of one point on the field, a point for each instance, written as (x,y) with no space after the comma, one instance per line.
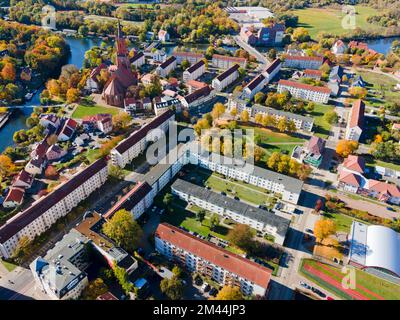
(90,110)
(374,162)
(342,221)
(368,287)
(329,20)
(380,88)
(321,127)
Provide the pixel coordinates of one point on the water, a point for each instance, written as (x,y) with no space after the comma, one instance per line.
(381,45)
(18,119)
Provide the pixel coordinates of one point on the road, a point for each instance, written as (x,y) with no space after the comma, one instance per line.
(259,56)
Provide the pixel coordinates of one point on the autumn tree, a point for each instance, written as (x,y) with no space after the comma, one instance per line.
(200,215)
(324,228)
(268,121)
(6,166)
(331,117)
(234,112)
(358,92)
(22,249)
(125,231)
(244,116)
(218,110)
(121,120)
(229,293)
(241,236)
(73,95)
(259,97)
(173,288)
(258,118)
(52,139)
(346,147)
(8,72)
(96,288)
(258,153)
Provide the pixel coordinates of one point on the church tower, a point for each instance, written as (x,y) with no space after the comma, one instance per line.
(122,49)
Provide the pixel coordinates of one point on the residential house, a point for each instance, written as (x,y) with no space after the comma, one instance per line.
(226,62)
(339,47)
(355,123)
(198,97)
(189,56)
(138,59)
(254,86)
(14,197)
(305,91)
(194,71)
(303,62)
(166,67)
(55,153)
(163,35)
(224,79)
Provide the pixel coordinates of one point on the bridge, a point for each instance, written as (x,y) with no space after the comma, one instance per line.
(253,51)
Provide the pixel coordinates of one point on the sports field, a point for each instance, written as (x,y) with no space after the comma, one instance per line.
(368,287)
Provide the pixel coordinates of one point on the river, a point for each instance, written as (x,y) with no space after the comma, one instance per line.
(17,120)
(381,45)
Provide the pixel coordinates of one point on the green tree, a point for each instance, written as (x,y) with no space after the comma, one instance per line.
(173,288)
(214,221)
(96,288)
(241,236)
(125,231)
(167,200)
(200,215)
(331,117)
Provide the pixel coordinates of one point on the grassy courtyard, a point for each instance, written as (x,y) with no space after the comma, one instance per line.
(368,287)
(9,266)
(329,20)
(321,126)
(83,110)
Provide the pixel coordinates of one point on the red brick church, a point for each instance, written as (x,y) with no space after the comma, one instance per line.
(122,76)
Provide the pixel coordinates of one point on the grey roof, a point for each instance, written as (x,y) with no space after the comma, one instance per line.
(259,108)
(228,72)
(265,217)
(255,82)
(57,267)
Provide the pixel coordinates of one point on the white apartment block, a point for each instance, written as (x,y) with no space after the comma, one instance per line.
(138,59)
(43,213)
(303,62)
(261,220)
(226,62)
(166,67)
(223,80)
(137,142)
(194,71)
(355,123)
(272,70)
(222,266)
(301,122)
(305,91)
(254,86)
(189,56)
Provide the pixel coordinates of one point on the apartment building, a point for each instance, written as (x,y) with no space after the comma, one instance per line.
(272,70)
(254,86)
(302,122)
(222,266)
(136,143)
(194,71)
(303,62)
(261,220)
(138,59)
(43,213)
(189,56)
(166,67)
(226,62)
(198,97)
(224,79)
(137,200)
(355,123)
(305,91)
(166,103)
(61,273)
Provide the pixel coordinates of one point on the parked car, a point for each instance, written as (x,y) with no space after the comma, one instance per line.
(318,292)
(198,281)
(390,208)
(213,292)
(236,198)
(305,285)
(329,298)
(309,231)
(205,287)
(223,193)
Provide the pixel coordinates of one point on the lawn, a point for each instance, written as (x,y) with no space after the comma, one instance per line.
(9,266)
(329,20)
(343,222)
(83,110)
(269,136)
(321,126)
(367,287)
(383,86)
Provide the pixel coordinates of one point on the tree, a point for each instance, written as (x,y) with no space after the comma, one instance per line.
(346,147)
(200,215)
(234,112)
(214,221)
(358,92)
(22,248)
(258,153)
(241,236)
(73,95)
(8,72)
(323,228)
(52,139)
(282,124)
(331,117)
(301,35)
(177,271)
(6,166)
(244,116)
(173,288)
(123,279)
(268,121)
(185,64)
(229,293)
(259,97)
(218,110)
(167,200)
(121,120)
(258,118)
(96,288)
(274,160)
(125,231)
(115,171)
(272,54)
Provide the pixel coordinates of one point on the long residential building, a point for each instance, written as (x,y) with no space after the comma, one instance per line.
(226,62)
(305,91)
(136,143)
(303,62)
(43,213)
(224,79)
(355,123)
(261,220)
(194,71)
(166,67)
(192,57)
(222,266)
(254,86)
(272,70)
(301,122)
(198,98)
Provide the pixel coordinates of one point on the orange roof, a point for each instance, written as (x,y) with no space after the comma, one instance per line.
(357,114)
(350,178)
(211,253)
(196,84)
(15,194)
(304,86)
(313,72)
(384,188)
(234,59)
(305,58)
(354,163)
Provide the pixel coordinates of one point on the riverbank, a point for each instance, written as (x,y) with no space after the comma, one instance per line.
(4,118)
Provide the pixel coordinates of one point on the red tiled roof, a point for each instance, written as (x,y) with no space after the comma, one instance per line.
(15,194)
(316,145)
(384,188)
(210,252)
(130,200)
(196,84)
(357,114)
(228,58)
(24,218)
(187,54)
(354,163)
(304,86)
(142,132)
(313,72)
(350,178)
(305,58)
(24,176)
